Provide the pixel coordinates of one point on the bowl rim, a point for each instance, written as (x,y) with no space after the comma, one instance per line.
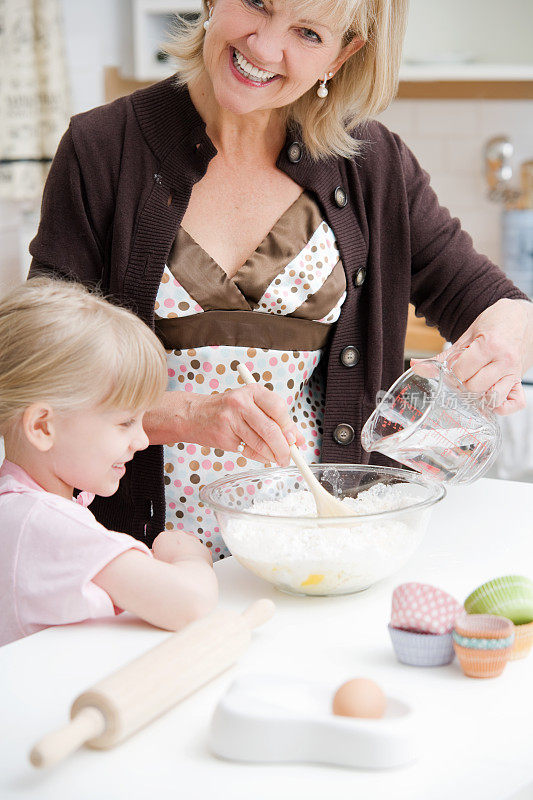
(438,490)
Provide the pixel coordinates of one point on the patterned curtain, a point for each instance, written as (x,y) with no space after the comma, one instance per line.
(34,94)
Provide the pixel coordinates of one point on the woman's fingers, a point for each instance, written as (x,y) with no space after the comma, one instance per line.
(515,399)
(278,410)
(463,341)
(298,436)
(255,416)
(502,388)
(251,414)
(268,416)
(468,362)
(271,433)
(488,377)
(255,447)
(493,353)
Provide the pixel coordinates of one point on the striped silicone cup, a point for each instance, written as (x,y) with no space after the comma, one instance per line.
(510,596)
(477,663)
(523,641)
(483,644)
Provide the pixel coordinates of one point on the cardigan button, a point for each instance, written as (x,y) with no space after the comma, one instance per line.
(350,356)
(359,277)
(344,433)
(294,152)
(340,197)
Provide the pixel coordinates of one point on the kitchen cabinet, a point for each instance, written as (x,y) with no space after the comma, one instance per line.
(480,40)
(475,49)
(146,25)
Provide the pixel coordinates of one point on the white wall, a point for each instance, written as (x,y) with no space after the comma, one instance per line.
(482,30)
(447,136)
(92,31)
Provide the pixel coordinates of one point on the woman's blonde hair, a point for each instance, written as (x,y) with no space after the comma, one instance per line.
(61,344)
(363,87)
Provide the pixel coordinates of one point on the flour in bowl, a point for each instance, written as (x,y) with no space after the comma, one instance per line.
(311,558)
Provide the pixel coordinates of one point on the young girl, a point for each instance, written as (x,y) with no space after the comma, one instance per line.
(76,375)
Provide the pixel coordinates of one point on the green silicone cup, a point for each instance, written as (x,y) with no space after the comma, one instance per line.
(510,596)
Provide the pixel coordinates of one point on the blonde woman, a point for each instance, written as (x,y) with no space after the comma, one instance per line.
(76,376)
(250,210)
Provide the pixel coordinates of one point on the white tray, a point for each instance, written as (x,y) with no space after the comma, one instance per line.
(265,718)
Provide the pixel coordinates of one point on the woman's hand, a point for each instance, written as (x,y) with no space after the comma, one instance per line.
(496,351)
(253,415)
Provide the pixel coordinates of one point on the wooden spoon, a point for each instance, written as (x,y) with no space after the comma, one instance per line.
(326,505)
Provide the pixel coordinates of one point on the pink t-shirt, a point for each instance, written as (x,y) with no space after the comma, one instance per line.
(51,549)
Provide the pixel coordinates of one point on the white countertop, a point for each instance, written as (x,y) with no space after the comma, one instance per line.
(478,731)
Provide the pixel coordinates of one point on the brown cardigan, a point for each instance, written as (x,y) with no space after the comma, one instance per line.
(118,189)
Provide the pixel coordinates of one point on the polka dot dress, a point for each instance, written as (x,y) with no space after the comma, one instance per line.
(288,295)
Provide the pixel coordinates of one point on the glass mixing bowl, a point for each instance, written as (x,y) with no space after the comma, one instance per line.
(305,554)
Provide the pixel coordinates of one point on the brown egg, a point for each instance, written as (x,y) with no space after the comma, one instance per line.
(359,697)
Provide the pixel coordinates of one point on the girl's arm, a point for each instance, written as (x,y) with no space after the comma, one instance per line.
(174,588)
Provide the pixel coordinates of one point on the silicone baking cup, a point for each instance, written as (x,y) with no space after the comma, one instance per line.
(423,608)
(483,644)
(523,641)
(422,649)
(510,596)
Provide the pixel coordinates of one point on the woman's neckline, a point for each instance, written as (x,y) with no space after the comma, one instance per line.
(235,277)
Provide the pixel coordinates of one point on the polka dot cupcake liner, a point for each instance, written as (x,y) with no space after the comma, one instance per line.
(422,649)
(423,608)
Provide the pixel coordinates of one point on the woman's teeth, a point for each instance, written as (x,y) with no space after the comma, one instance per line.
(249,71)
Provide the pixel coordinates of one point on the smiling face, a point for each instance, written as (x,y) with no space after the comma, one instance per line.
(90,448)
(261,55)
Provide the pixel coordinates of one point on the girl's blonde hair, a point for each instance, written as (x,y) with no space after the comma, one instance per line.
(363,87)
(64,345)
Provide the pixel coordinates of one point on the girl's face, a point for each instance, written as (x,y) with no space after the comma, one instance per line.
(91,448)
(261,54)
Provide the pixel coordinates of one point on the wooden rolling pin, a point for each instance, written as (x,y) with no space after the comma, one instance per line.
(125,701)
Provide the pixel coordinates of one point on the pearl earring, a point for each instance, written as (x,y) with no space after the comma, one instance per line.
(322,90)
(208,20)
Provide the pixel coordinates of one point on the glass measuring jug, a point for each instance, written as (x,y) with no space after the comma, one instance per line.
(429,421)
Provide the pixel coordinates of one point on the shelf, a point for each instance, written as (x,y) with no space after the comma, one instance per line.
(466,81)
(475,71)
(465,90)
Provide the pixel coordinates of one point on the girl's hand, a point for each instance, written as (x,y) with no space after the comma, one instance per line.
(496,351)
(253,415)
(172,589)
(174,546)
